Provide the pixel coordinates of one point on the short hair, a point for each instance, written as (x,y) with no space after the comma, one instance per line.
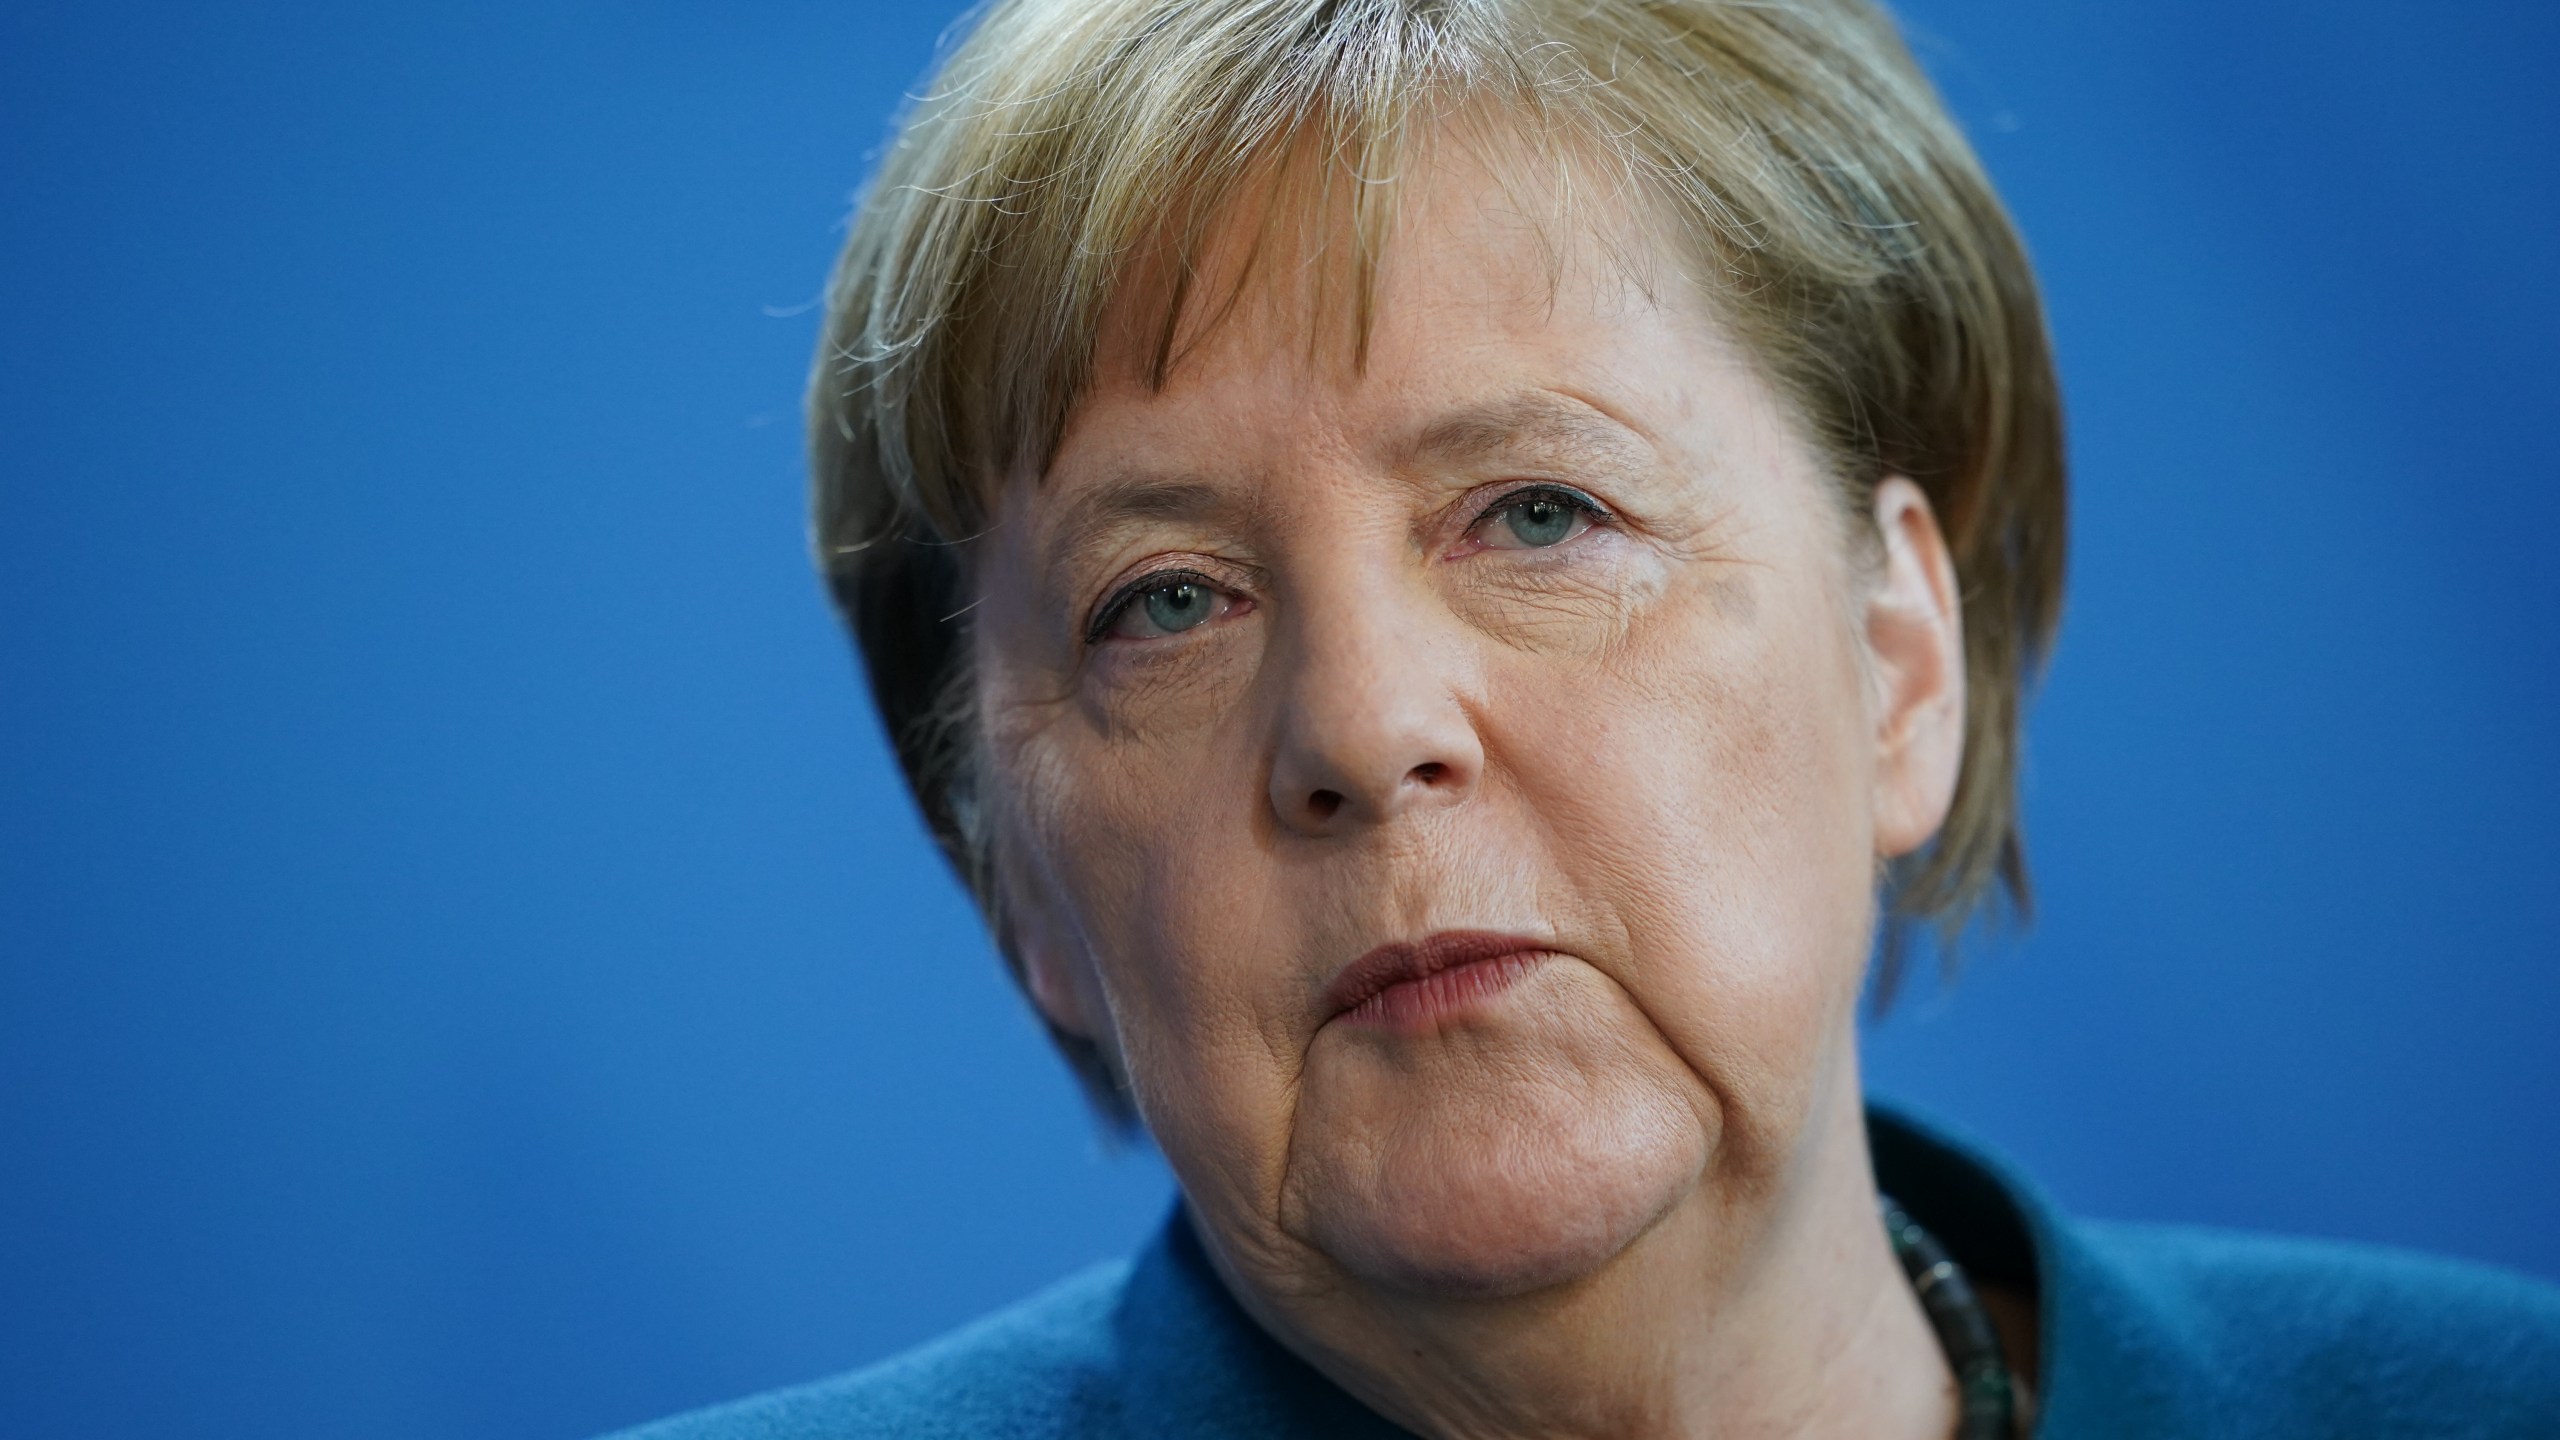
(1845,229)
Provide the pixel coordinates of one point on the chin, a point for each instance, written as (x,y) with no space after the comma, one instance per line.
(1519,1153)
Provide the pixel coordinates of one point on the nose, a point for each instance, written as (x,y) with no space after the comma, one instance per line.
(1370,723)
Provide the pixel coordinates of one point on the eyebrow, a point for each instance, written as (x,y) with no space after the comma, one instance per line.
(1536,419)
(1129,499)
(1542,420)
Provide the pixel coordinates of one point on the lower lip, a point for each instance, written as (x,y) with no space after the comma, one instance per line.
(1418,1005)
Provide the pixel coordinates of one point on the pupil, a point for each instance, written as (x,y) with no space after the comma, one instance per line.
(1179,606)
(1540,522)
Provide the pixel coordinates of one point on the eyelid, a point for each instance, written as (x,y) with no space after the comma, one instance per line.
(1599,513)
(1108,613)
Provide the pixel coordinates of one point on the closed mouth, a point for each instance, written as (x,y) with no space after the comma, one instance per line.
(1403,985)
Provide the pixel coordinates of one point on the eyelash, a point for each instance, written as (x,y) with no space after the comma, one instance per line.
(1598,513)
(1127,595)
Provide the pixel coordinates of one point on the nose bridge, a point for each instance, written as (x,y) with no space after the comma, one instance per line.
(1369,721)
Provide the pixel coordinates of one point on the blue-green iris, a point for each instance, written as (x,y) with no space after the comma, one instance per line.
(1539,520)
(1178,606)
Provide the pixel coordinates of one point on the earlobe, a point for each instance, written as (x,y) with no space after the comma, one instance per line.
(1050,976)
(1915,645)
(1055,965)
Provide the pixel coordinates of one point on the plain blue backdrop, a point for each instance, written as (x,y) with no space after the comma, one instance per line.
(467,966)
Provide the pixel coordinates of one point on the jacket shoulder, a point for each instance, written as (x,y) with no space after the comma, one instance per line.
(1043,1369)
(2306,1337)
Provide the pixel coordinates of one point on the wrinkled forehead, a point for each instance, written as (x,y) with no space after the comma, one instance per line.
(1505,324)
(1309,250)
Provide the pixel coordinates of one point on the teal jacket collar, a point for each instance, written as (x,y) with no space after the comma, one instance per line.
(1199,1366)
(2146,1333)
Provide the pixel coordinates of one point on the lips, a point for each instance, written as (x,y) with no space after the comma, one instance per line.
(1414,983)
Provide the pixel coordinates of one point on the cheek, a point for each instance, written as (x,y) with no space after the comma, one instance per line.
(1155,704)
(1157,849)
(1571,604)
(1703,788)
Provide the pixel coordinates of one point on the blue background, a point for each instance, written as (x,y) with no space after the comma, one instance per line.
(467,967)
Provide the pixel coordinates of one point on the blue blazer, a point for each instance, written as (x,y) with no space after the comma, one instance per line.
(2147,1331)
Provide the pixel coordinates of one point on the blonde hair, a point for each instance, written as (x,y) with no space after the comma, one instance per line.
(1850,235)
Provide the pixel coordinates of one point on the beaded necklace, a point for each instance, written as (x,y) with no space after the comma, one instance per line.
(1964,1327)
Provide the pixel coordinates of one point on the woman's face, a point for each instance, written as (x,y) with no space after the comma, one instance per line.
(1452,784)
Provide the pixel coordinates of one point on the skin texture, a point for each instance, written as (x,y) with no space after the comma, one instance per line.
(1626,1193)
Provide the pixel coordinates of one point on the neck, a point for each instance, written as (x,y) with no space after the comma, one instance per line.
(1767,1309)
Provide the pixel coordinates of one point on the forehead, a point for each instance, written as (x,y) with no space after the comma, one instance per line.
(1439,349)
(1477,223)
(1512,316)
(1506,300)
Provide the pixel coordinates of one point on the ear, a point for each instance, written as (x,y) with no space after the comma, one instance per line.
(1057,965)
(1915,649)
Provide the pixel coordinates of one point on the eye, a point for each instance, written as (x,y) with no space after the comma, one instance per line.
(1537,518)
(1158,606)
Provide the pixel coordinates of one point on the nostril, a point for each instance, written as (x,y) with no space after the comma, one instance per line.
(1323,803)
(1429,772)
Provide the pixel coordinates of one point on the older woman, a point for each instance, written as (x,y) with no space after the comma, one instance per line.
(1442,567)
